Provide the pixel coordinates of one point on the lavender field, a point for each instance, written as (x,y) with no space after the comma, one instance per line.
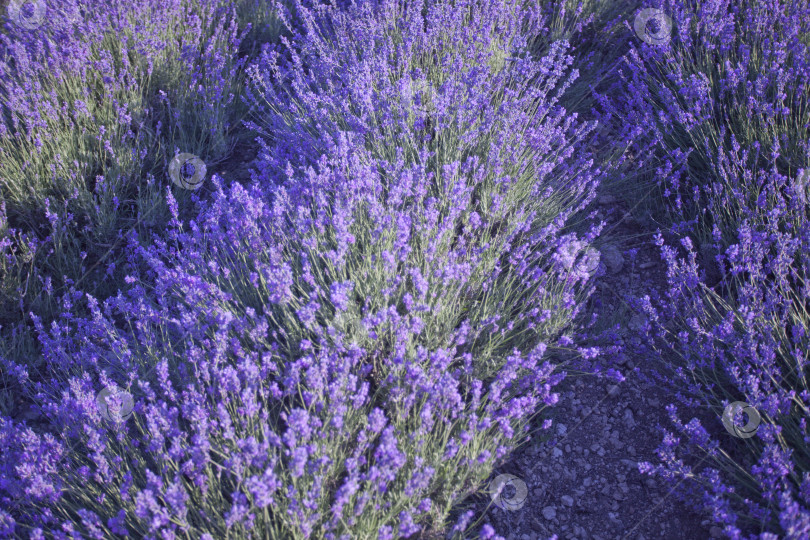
(430,269)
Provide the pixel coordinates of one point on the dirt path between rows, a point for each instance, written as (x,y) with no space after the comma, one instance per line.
(584,483)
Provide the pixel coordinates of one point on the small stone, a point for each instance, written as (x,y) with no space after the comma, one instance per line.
(567,500)
(613,258)
(716,532)
(606,200)
(636,322)
(587,482)
(646,265)
(629,421)
(549,512)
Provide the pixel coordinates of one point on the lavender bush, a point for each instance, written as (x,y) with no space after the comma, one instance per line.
(94,103)
(114,100)
(345,347)
(719,115)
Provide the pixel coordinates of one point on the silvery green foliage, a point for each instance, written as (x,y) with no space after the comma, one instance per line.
(336,349)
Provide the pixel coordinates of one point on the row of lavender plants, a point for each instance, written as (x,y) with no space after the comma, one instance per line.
(717,117)
(95,100)
(345,347)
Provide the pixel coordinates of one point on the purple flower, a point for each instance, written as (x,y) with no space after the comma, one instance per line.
(340,294)
(424,202)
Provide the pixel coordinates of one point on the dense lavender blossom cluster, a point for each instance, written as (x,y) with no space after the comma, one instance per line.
(342,347)
(720,113)
(95,100)
(344,344)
